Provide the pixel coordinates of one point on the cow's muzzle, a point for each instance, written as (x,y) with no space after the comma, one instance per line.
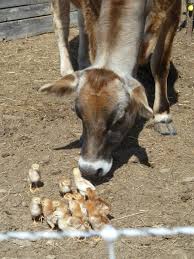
(94,169)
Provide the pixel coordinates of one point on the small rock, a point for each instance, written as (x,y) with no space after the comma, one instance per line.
(3,191)
(188,179)
(50,257)
(5,154)
(45,160)
(186,197)
(165,170)
(24,204)
(134,159)
(56,172)
(22,243)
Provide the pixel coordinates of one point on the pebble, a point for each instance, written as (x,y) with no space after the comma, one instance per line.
(50,242)
(22,243)
(165,170)
(3,191)
(24,204)
(50,257)
(45,160)
(4,155)
(186,197)
(188,179)
(134,159)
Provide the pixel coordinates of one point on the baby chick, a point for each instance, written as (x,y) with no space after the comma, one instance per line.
(72,196)
(75,208)
(101,206)
(81,183)
(34,177)
(52,218)
(96,219)
(47,210)
(65,185)
(47,207)
(36,209)
(82,204)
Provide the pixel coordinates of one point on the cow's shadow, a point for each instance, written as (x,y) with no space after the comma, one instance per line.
(130,146)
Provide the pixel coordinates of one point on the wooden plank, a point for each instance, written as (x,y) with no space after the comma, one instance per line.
(23,12)
(14,3)
(30,27)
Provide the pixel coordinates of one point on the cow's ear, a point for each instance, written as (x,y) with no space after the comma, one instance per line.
(139,96)
(65,85)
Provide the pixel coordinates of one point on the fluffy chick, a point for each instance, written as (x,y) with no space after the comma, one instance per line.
(81,183)
(52,220)
(75,208)
(68,222)
(36,208)
(72,196)
(47,207)
(96,219)
(101,206)
(65,185)
(34,177)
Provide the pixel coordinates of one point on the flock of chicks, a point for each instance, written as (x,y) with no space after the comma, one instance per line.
(79,209)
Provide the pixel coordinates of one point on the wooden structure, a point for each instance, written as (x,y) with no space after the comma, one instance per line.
(25,18)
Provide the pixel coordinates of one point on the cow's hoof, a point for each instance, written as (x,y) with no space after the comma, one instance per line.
(165,128)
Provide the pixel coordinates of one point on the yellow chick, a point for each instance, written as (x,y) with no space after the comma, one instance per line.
(75,208)
(49,207)
(34,177)
(81,183)
(65,185)
(68,222)
(72,196)
(36,209)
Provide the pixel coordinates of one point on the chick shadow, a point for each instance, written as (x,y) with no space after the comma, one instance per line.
(130,145)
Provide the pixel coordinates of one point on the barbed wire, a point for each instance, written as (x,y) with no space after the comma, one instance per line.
(109,234)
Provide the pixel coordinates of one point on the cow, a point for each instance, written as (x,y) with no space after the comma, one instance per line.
(122,34)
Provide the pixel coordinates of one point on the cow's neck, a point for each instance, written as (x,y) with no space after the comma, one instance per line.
(118,36)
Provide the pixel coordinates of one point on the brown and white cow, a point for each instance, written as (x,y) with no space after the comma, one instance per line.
(122,34)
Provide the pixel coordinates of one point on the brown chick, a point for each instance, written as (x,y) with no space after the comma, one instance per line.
(47,207)
(68,222)
(101,206)
(75,208)
(96,219)
(72,196)
(34,177)
(81,183)
(52,219)
(82,204)
(65,185)
(36,208)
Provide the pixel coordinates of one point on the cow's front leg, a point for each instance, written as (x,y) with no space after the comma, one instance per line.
(83,51)
(160,62)
(61,13)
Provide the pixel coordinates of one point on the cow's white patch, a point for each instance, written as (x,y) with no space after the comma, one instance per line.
(96,165)
(163,117)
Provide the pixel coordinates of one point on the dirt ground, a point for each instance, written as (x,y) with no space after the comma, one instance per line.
(151,192)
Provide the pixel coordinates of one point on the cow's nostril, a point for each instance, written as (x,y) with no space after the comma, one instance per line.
(99,172)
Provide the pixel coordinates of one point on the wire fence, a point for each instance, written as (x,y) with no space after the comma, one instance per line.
(109,234)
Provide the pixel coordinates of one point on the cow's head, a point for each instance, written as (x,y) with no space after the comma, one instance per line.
(107,106)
